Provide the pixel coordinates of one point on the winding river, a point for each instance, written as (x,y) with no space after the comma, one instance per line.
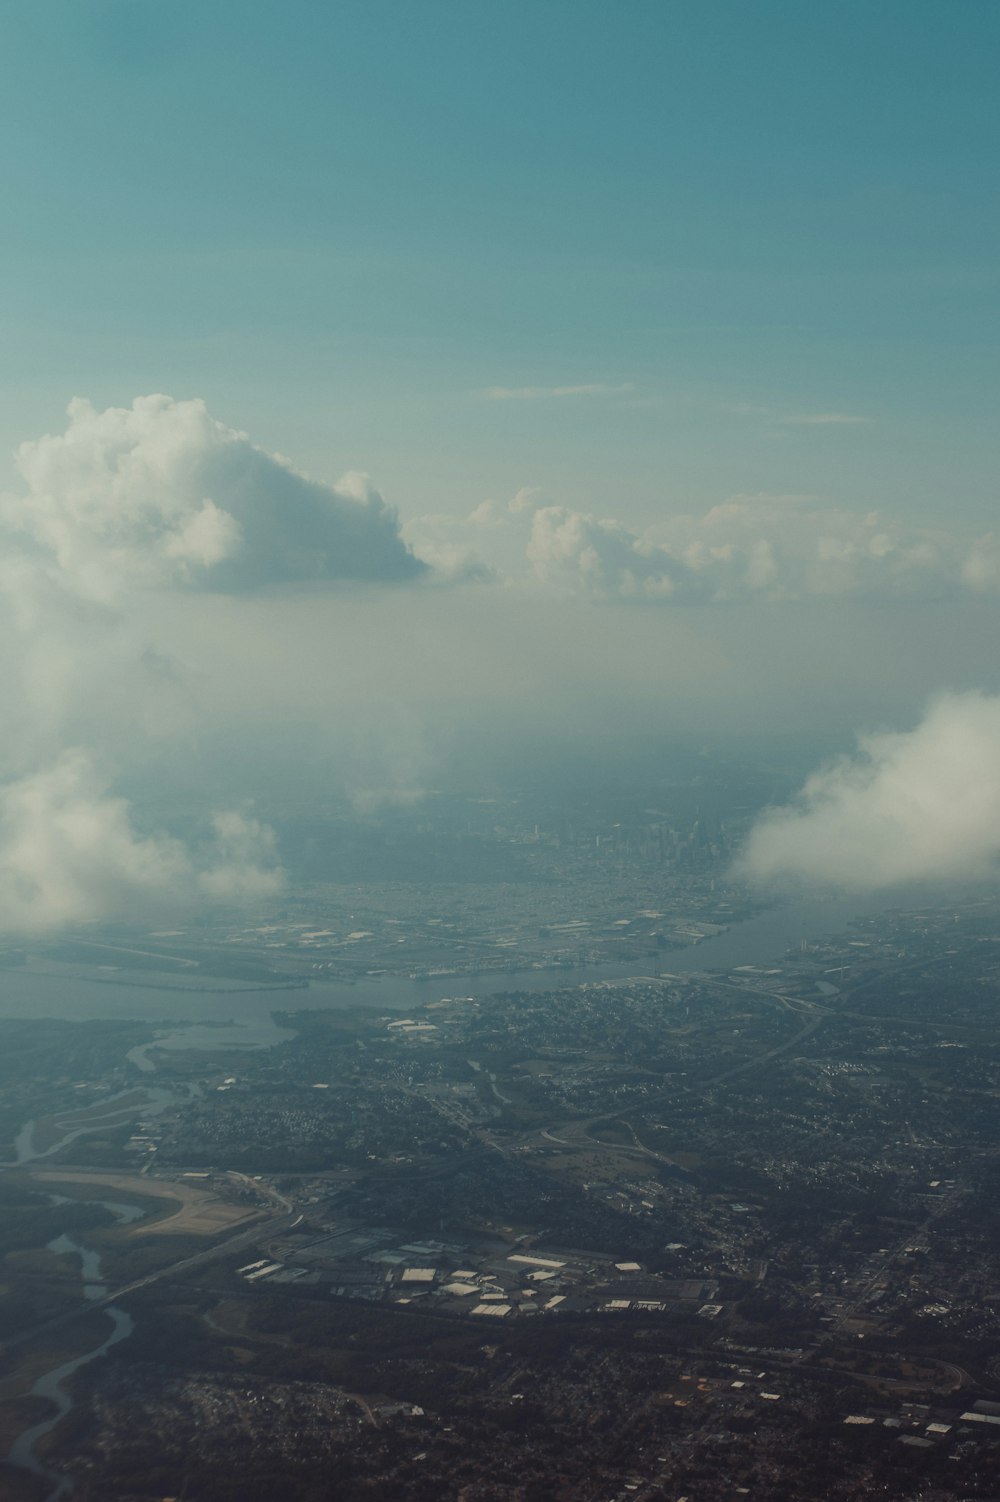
(52,1385)
(26,1150)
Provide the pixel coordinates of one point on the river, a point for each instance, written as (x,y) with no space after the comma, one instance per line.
(53,1384)
(214,1020)
(26,1150)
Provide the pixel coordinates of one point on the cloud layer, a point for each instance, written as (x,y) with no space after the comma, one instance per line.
(757,548)
(147,650)
(915,807)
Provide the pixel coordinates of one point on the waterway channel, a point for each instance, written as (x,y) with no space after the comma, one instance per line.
(27,1151)
(53,1385)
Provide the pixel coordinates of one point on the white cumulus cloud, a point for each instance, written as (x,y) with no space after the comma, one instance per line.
(758,547)
(162,494)
(915,806)
(571,551)
(450,545)
(69,853)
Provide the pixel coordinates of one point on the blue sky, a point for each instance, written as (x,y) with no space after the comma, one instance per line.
(343,224)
